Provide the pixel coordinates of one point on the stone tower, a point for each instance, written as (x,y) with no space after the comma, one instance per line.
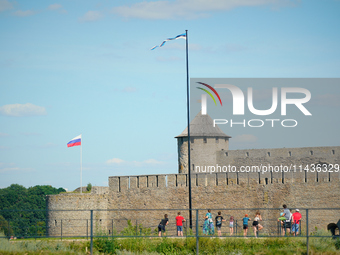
(206,140)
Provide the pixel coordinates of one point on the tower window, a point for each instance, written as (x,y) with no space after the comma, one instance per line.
(290,153)
(247,154)
(311,153)
(268,153)
(217,140)
(204,140)
(333,152)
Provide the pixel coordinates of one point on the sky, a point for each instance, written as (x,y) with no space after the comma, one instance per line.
(85,67)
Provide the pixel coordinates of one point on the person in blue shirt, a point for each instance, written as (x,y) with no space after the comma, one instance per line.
(245,225)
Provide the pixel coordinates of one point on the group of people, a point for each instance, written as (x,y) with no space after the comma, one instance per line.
(179,224)
(256,225)
(208,225)
(289,221)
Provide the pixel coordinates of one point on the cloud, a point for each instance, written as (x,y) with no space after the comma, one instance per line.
(115,161)
(148,162)
(54,6)
(332,100)
(188,9)
(27,13)
(129,89)
(245,138)
(91,16)
(20,110)
(11,167)
(5,5)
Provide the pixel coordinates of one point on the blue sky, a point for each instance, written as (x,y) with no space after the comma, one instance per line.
(85,67)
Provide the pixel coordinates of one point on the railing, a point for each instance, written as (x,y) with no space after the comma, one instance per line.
(125,223)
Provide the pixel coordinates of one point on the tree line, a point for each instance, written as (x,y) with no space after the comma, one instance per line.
(23,210)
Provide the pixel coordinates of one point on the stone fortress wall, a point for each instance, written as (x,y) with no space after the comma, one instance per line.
(223,190)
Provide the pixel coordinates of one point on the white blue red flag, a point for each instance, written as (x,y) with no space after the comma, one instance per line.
(184,36)
(75,141)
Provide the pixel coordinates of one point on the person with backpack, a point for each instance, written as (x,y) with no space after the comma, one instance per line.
(219,220)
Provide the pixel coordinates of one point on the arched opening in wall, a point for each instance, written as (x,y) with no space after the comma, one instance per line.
(137,181)
(196,179)
(204,140)
(268,153)
(247,154)
(55,223)
(333,152)
(109,231)
(226,154)
(217,141)
(311,153)
(289,153)
(266,180)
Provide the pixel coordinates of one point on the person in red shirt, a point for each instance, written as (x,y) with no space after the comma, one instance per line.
(179,223)
(296,221)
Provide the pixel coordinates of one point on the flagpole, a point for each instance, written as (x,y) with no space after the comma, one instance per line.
(81,165)
(188,115)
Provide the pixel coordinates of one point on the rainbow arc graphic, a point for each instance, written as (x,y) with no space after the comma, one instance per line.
(209,93)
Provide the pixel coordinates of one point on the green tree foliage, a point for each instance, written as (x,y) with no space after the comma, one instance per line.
(89,187)
(24,210)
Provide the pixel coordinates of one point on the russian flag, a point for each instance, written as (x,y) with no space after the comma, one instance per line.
(75,141)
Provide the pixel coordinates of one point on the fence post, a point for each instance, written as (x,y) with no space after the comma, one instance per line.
(307,229)
(61,229)
(236,227)
(197,240)
(87,229)
(91,232)
(136,228)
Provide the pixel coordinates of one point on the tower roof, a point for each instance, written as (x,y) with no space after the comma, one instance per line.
(202,125)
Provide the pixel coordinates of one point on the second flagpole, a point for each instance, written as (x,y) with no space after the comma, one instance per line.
(81,165)
(188,118)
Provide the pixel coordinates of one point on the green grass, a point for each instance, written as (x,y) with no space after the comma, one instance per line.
(174,246)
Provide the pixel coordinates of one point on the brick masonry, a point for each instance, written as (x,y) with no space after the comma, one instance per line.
(224,190)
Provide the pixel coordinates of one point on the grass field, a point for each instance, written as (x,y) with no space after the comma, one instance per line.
(173,246)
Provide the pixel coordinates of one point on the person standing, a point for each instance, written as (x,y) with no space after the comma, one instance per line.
(179,223)
(256,225)
(282,221)
(231,225)
(208,225)
(245,225)
(288,216)
(162,224)
(296,222)
(219,220)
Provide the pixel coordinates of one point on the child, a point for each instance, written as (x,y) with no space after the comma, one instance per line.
(179,223)
(282,219)
(231,225)
(219,220)
(162,224)
(245,225)
(256,225)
